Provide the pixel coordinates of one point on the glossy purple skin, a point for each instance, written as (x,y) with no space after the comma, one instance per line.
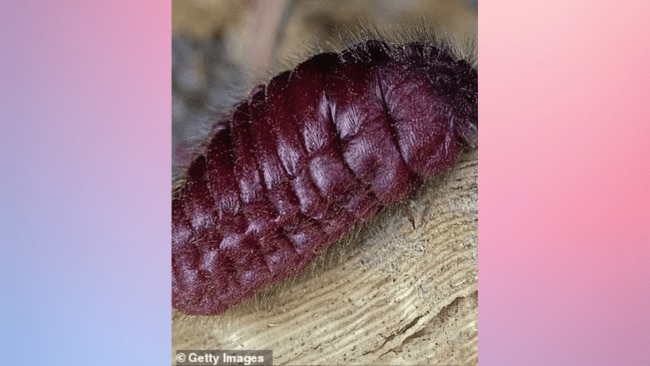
(307,156)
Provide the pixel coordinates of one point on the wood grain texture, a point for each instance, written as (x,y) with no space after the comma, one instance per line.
(404,292)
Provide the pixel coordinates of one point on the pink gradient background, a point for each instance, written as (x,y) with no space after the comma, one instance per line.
(564,174)
(85,106)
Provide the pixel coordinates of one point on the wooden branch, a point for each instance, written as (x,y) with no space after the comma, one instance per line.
(402,290)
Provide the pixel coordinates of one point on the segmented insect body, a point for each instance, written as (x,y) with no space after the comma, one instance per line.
(305,157)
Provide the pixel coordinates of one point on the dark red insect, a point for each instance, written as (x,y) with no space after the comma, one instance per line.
(305,157)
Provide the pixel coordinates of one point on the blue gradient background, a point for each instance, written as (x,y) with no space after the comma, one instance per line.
(85,107)
(86,125)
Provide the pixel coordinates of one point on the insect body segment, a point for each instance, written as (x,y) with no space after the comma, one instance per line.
(305,157)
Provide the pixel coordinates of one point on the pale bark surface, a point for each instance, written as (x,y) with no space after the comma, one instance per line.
(403,291)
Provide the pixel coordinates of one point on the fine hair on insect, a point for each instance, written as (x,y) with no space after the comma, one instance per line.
(312,153)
